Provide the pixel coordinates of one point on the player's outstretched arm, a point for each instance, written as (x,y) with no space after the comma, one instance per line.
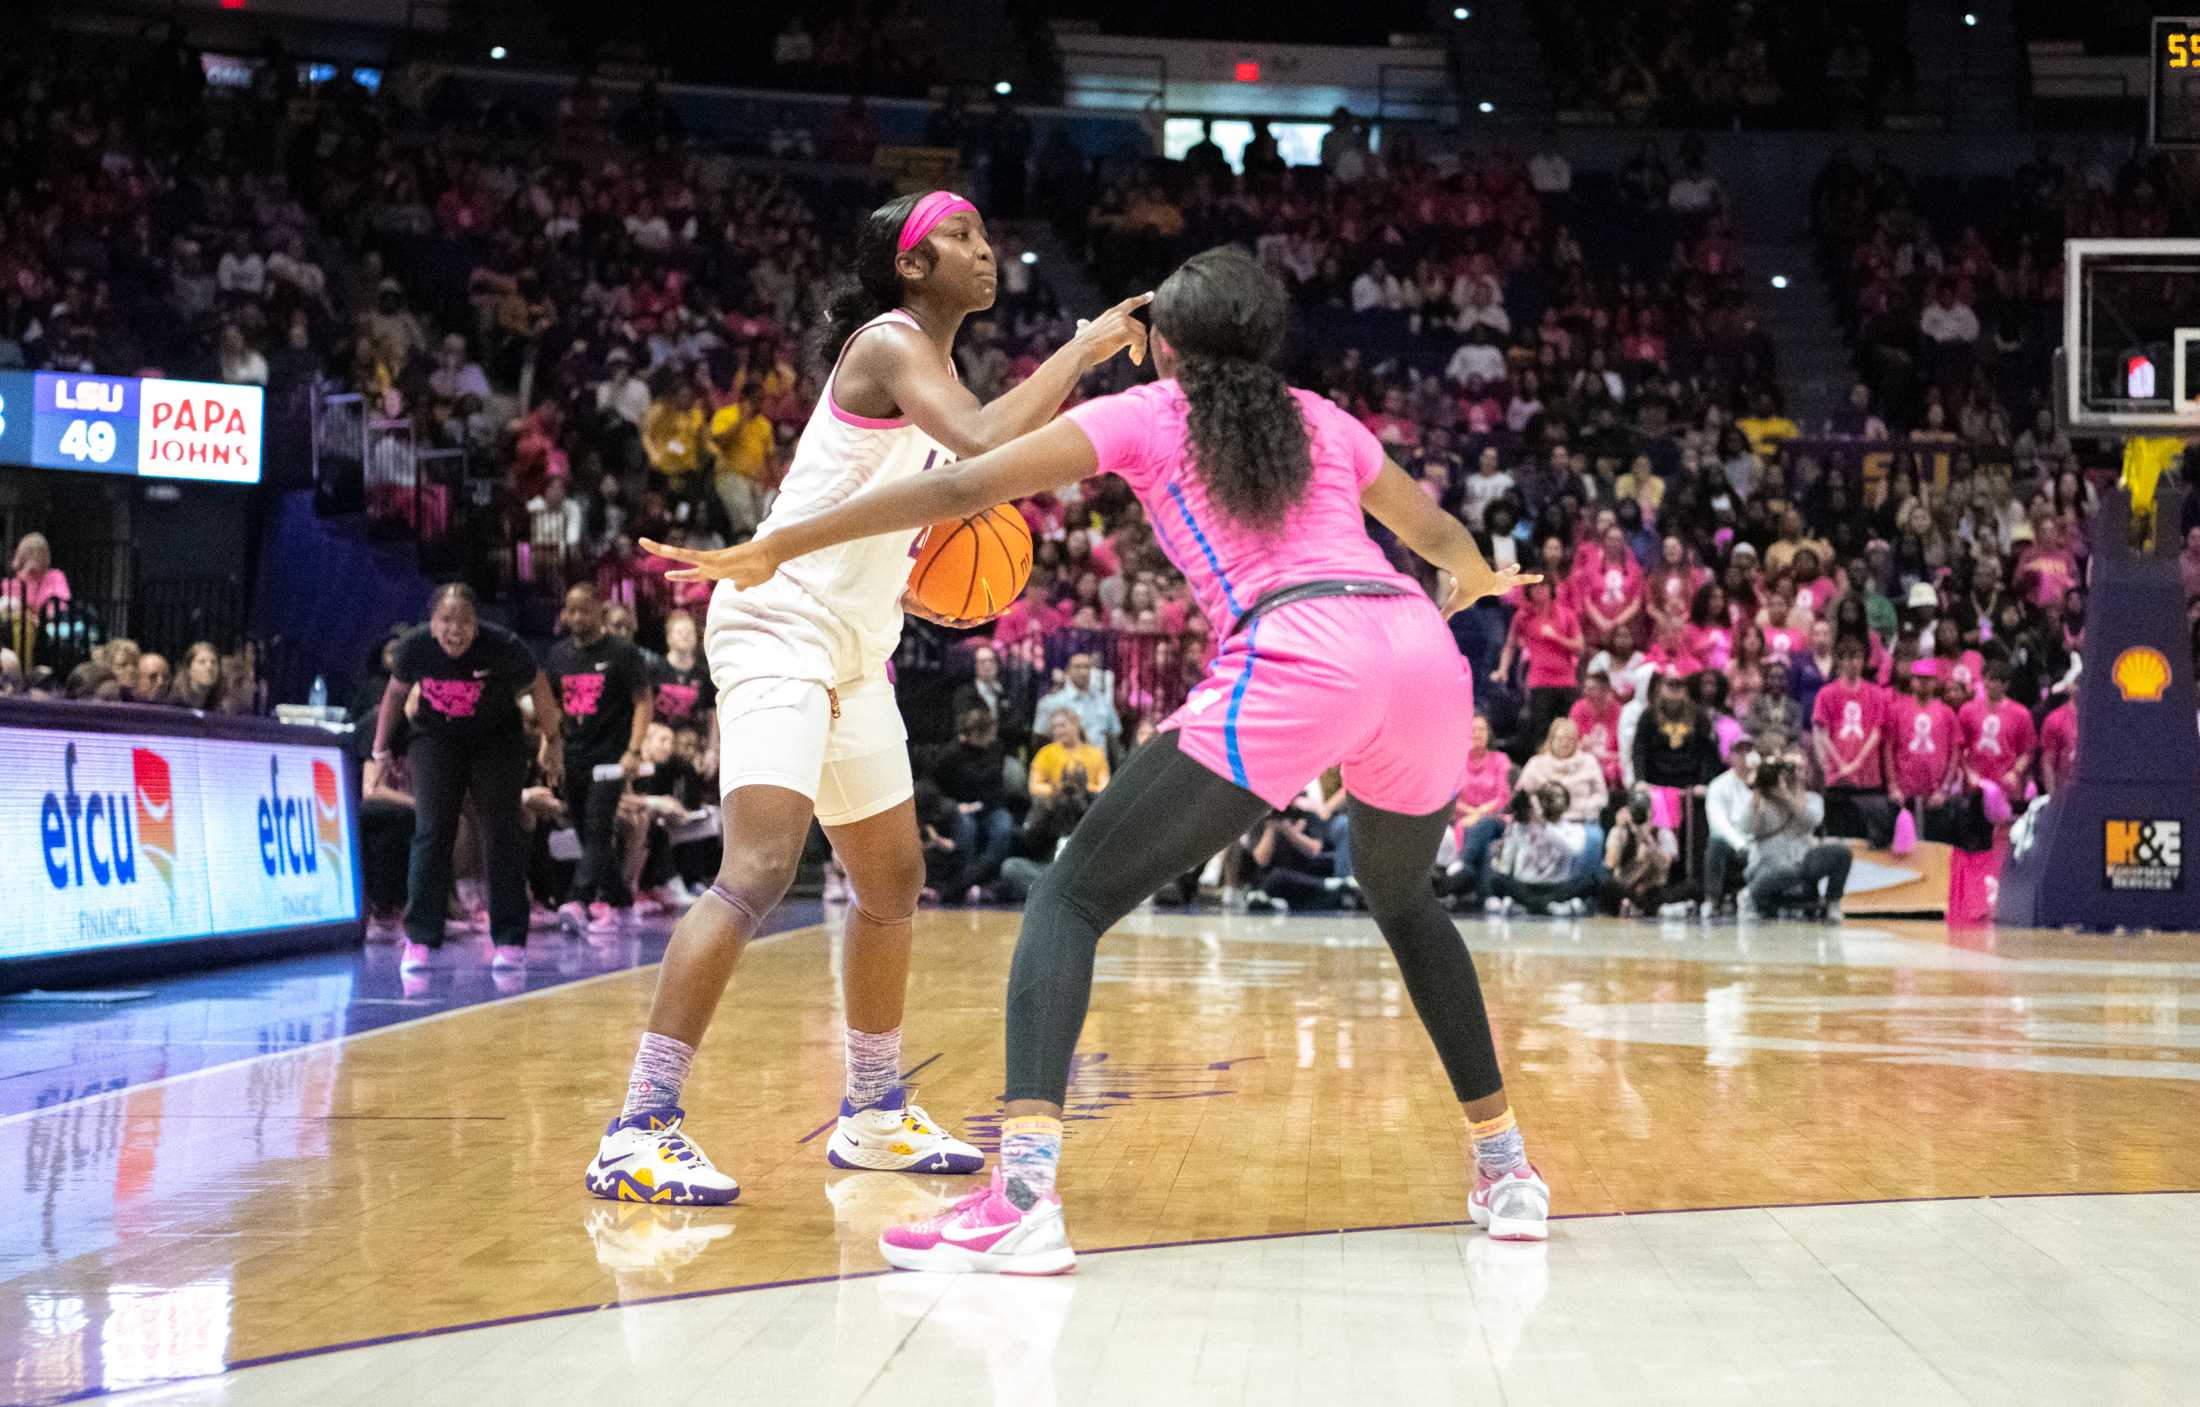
(905,366)
(1049,458)
(1397,502)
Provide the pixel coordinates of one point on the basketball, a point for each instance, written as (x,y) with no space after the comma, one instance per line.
(971,569)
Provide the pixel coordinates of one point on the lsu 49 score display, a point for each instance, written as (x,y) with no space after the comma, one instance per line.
(147,426)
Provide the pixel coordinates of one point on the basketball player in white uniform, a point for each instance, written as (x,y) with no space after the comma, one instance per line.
(808,723)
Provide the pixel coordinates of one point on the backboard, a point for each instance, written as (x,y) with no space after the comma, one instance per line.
(2131,335)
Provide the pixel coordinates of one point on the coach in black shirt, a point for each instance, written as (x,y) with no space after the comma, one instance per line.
(468,737)
(603,688)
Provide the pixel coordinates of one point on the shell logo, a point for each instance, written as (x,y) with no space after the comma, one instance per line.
(2141,675)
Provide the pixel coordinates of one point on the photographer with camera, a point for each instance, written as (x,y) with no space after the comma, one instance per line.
(1046,830)
(1787,863)
(1726,810)
(1637,866)
(1537,865)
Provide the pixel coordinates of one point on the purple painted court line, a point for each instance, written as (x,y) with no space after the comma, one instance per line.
(679,1296)
(61,1052)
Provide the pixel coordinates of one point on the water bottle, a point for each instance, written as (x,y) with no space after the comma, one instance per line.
(319,697)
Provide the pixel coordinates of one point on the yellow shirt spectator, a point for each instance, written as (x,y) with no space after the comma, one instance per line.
(1054,759)
(742,440)
(672,436)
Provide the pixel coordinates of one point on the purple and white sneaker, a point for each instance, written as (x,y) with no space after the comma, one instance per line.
(984,1232)
(646,1158)
(896,1135)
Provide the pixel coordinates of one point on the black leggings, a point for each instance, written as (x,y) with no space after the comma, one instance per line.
(446,773)
(1164,814)
(593,808)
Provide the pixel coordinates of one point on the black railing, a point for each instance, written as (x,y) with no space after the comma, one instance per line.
(1149,675)
(164,616)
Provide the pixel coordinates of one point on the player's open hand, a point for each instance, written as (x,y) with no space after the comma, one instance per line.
(745,564)
(1116,330)
(1467,588)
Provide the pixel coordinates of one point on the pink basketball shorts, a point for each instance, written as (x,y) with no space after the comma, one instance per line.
(1374,683)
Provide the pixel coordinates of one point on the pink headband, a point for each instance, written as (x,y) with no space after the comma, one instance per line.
(929,212)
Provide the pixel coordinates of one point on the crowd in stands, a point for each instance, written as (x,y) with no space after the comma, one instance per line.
(1740,641)
(1720,62)
(1952,292)
(120,670)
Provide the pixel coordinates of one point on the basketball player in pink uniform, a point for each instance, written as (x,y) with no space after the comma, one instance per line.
(1256,492)
(1998,739)
(807,720)
(1922,741)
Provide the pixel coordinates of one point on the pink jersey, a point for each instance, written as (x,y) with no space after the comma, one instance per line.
(1851,723)
(1997,739)
(1967,669)
(2044,575)
(1551,663)
(2059,744)
(1922,741)
(1713,644)
(1608,594)
(1140,435)
(1488,781)
(1599,729)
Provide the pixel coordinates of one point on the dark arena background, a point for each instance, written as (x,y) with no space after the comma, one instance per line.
(1823,853)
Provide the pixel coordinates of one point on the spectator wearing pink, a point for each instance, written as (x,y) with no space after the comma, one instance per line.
(1089,551)
(1671,654)
(1613,596)
(1479,814)
(1786,632)
(1709,631)
(1562,762)
(2059,746)
(2048,568)
(1043,515)
(1020,631)
(1745,669)
(1849,737)
(1547,633)
(1391,424)
(1813,591)
(1672,585)
(1998,740)
(34,581)
(1966,666)
(1923,741)
(1595,716)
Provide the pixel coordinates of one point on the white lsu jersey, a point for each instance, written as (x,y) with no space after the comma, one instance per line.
(857,586)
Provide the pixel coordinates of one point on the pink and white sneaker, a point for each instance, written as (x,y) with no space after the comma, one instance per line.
(986,1233)
(1515,1207)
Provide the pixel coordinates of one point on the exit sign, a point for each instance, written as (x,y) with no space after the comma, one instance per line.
(1248,71)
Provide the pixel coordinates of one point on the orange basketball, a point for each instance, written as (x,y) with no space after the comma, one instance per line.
(970,570)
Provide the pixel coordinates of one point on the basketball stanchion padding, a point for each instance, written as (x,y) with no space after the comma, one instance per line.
(2108,850)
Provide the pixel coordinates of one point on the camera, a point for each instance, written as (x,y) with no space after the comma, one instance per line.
(1638,808)
(1775,774)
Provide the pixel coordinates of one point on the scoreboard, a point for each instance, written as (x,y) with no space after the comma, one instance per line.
(2173,106)
(145,426)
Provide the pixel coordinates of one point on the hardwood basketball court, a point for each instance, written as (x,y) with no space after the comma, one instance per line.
(1884,1161)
